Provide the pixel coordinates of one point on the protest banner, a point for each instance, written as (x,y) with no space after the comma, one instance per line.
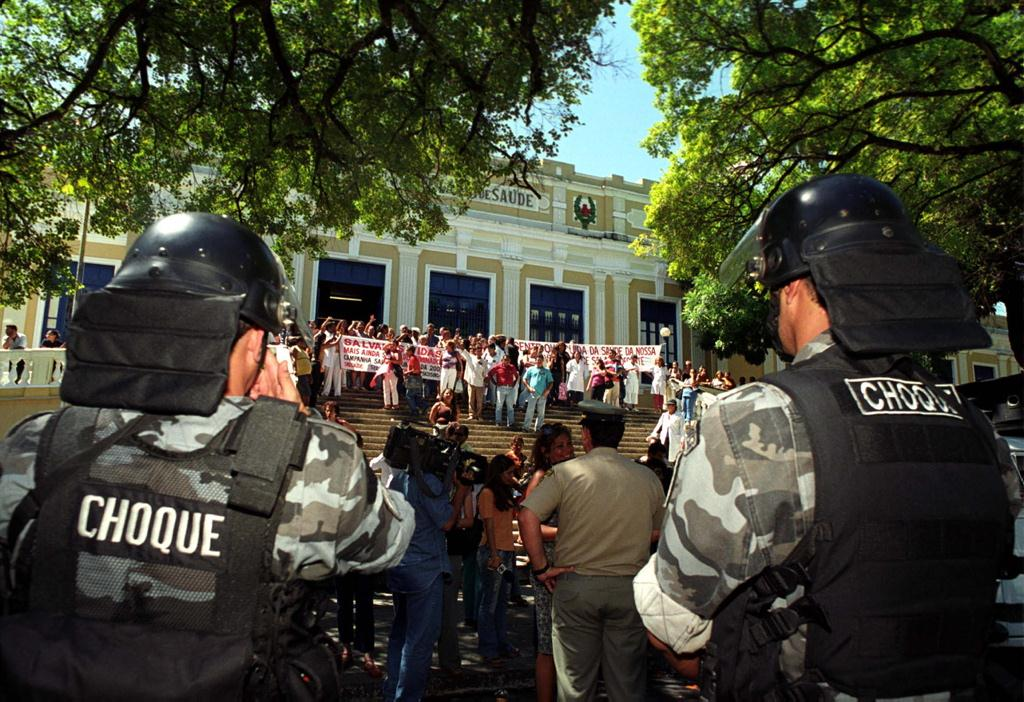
(595,352)
(361,354)
(430,361)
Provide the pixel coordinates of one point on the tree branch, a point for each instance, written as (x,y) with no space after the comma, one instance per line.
(421,30)
(9,136)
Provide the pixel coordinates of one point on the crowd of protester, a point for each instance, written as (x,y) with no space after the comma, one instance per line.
(488,371)
(479,526)
(478,530)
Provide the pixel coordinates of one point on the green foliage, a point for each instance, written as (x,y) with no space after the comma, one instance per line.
(759,95)
(730,320)
(294,116)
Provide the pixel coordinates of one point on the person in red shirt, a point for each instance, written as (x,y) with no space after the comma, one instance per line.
(413,381)
(506,380)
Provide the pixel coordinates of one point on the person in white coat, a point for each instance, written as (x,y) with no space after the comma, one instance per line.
(578,372)
(476,369)
(632,383)
(669,430)
(332,361)
(659,378)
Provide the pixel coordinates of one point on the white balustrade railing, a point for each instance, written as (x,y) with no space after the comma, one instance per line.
(22,368)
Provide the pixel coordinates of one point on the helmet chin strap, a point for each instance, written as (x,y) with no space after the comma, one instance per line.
(772,324)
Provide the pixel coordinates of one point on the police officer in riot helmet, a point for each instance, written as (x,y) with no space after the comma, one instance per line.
(840,526)
(159,531)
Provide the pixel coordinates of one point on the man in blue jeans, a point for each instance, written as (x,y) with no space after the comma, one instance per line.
(417,583)
(506,380)
(538,381)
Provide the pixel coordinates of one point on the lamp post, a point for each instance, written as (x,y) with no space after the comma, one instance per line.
(665,332)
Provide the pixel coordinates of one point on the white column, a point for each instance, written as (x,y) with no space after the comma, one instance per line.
(619,215)
(463,240)
(596,335)
(558,207)
(408,285)
(621,308)
(298,271)
(510,308)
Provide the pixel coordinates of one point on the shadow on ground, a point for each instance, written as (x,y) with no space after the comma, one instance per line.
(478,681)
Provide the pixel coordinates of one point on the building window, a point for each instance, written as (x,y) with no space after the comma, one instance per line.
(984,371)
(655,315)
(460,302)
(350,290)
(556,314)
(57,310)
(945,370)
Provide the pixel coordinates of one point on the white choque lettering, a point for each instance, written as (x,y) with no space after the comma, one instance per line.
(875,403)
(907,397)
(138,523)
(83,516)
(892,398)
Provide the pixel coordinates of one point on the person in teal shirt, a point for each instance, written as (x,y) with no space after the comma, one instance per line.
(538,381)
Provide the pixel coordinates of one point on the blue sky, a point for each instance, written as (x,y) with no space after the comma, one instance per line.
(616,114)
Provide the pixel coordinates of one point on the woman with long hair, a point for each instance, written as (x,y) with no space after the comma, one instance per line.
(577,377)
(553,445)
(496,559)
(598,381)
(451,363)
(515,452)
(444,409)
(612,369)
(388,373)
(558,365)
(689,394)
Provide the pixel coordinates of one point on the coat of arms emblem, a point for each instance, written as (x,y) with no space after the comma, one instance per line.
(585,212)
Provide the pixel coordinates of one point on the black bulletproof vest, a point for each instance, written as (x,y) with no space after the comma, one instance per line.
(899,572)
(150,572)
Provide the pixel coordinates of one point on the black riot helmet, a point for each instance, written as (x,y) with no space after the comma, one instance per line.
(158,337)
(204,254)
(885,290)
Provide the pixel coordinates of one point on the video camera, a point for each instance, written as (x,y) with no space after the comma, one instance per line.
(421,453)
(475,462)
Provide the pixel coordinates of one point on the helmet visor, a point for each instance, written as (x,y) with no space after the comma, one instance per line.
(289,311)
(746,259)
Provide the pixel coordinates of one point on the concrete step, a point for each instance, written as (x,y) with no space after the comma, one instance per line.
(364,412)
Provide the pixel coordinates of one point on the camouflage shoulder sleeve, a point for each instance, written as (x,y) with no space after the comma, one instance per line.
(742,499)
(18,465)
(336,516)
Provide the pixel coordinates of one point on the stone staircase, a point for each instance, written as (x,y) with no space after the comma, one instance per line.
(364,411)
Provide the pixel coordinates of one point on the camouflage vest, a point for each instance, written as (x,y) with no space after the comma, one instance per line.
(146,574)
(893,588)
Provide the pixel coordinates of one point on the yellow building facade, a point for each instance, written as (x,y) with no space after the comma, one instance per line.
(542,264)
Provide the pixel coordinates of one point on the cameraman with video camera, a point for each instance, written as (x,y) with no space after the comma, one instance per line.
(424,468)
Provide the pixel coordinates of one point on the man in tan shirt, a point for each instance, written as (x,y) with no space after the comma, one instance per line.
(609,510)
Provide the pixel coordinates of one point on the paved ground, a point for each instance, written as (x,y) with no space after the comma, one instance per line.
(479,682)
